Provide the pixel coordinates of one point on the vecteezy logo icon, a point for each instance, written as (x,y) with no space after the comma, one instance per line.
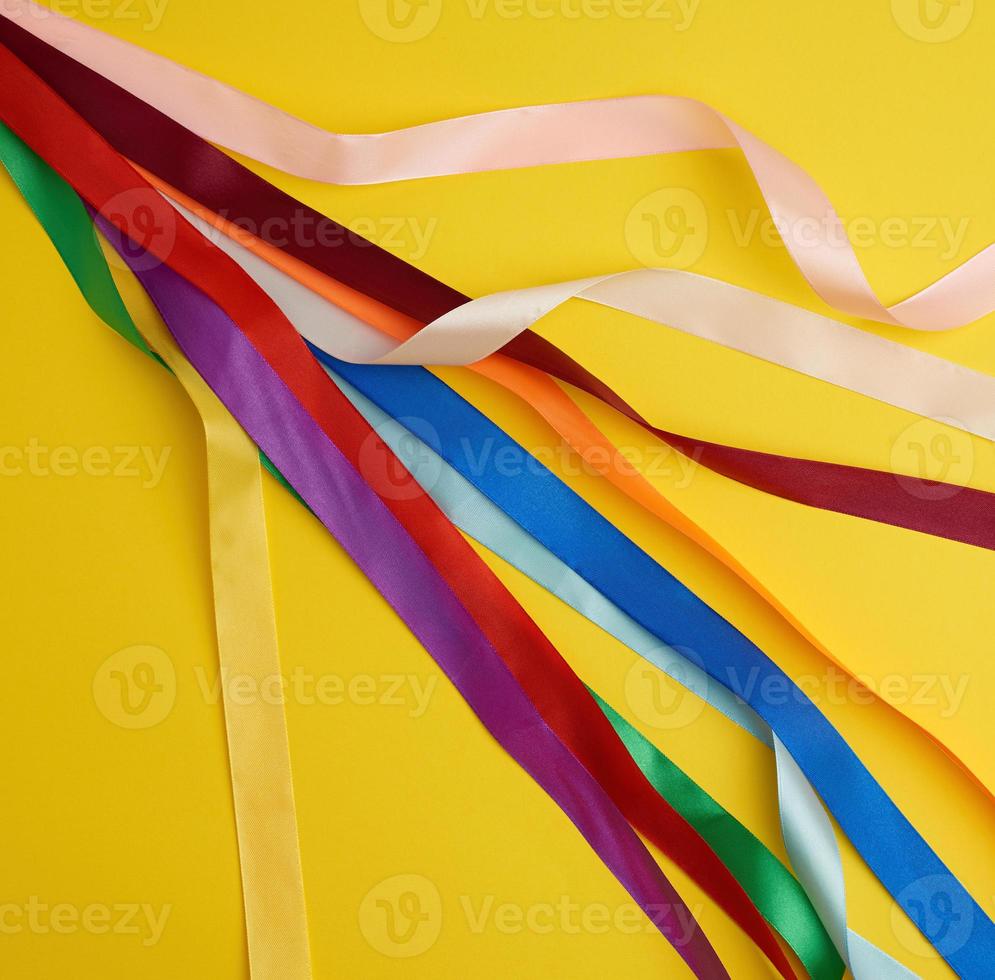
(413,470)
(667,228)
(135,687)
(942,461)
(401,916)
(933,21)
(146,228)
(401,21)
(940,910)
(670,695)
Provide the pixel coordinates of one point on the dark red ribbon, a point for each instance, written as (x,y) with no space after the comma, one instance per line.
(192,165)
(76,151)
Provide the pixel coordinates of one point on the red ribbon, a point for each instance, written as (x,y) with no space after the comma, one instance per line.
(102,177)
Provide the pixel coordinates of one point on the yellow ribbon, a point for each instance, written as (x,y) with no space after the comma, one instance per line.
(258,746)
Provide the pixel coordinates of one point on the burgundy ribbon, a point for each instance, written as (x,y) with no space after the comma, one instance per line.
(192,165)
(109,184)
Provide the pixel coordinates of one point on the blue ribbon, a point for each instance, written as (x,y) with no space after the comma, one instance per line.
(539,502)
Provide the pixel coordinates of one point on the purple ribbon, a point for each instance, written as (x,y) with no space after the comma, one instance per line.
(359,520)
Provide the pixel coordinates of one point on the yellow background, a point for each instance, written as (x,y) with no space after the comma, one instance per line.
(891,125)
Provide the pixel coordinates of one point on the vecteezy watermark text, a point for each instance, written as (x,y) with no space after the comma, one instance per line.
(35,458)
(405,21)
(408,234)
(141,920)
(303,687)
(149,13)
(402,916)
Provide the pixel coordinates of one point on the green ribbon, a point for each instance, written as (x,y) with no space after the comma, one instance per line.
(774,890)
(67,223)
(769,884)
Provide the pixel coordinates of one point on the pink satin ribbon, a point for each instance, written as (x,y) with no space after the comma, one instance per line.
(522,137)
